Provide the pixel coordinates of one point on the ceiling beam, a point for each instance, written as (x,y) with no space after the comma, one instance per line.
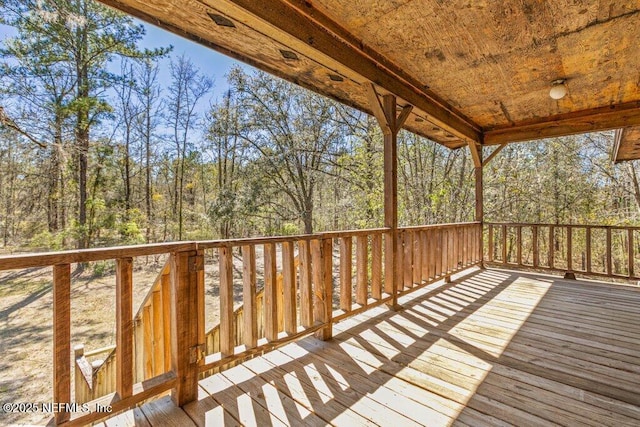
(594,120)
(316,33)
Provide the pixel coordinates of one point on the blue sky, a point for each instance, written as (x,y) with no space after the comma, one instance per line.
(210,62)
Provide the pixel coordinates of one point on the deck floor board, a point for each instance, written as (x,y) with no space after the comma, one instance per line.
(493,348)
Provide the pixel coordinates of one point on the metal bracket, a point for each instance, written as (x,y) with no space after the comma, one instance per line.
(196,353)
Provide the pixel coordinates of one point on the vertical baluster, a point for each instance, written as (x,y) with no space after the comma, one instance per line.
(438,238)
(250,319)
(536,254)
(306,294)
(147,326)
(362,270)
(504,244)
(289,276)
(464,245)
(588,248)
(157,330)
(270,293)
(630,252)
(569,248)
(424,252)
(227,341)
(609,266)
(407,240)
(61,338)
(165,284)
(491,247)
(519,244)
(551,246)
(417,258)
(124,326)
(376,266)
(346,269)
(400,261)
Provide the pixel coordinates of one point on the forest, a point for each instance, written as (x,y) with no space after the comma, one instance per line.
(97,150)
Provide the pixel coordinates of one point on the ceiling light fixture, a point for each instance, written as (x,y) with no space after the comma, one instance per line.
(558,89)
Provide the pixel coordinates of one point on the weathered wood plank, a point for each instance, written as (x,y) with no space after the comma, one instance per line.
(62,337)
(306,293)
(124,326)
(376,266)
(289,282)
(250,317)
(184,325)
(227,338)
(270,293)
(346,273)
(362,266)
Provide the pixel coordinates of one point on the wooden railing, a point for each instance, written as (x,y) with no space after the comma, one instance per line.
(596,250)
(164,347)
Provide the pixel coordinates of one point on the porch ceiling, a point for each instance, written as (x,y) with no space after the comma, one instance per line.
(474,71)
(626,144)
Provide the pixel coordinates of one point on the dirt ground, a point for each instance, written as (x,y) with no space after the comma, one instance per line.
(26,320)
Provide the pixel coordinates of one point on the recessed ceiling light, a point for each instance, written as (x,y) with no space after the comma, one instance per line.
(222,21)
(558,89)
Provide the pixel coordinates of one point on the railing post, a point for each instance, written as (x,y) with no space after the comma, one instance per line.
(270,293)
(124,327)
(321,252)
(62,338)
(185,348)
(552,246)
(227,338)
(250,333)
(519,244)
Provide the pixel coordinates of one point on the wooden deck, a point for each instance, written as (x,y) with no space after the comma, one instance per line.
(492,348)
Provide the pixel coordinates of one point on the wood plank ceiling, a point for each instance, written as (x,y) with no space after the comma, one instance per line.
(474,70)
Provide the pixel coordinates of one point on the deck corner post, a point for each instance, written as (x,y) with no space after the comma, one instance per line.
(186,270)
(62,338)
(476,154)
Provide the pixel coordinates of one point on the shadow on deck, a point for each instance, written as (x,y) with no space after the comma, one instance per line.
(494,347)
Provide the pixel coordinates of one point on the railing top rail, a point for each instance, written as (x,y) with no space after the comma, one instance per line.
(438,226)
(530,224)
(46,259)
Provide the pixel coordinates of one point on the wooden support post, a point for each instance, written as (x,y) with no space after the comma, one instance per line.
(376,266)
(185,355)
(306,293)
(270,293)
(476,155)
(227,338)
(536,254)
(250,317)
(289,289)
(631,253)
(346,273)
(362,279)
(62,338)
(390,123)
(124,327)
